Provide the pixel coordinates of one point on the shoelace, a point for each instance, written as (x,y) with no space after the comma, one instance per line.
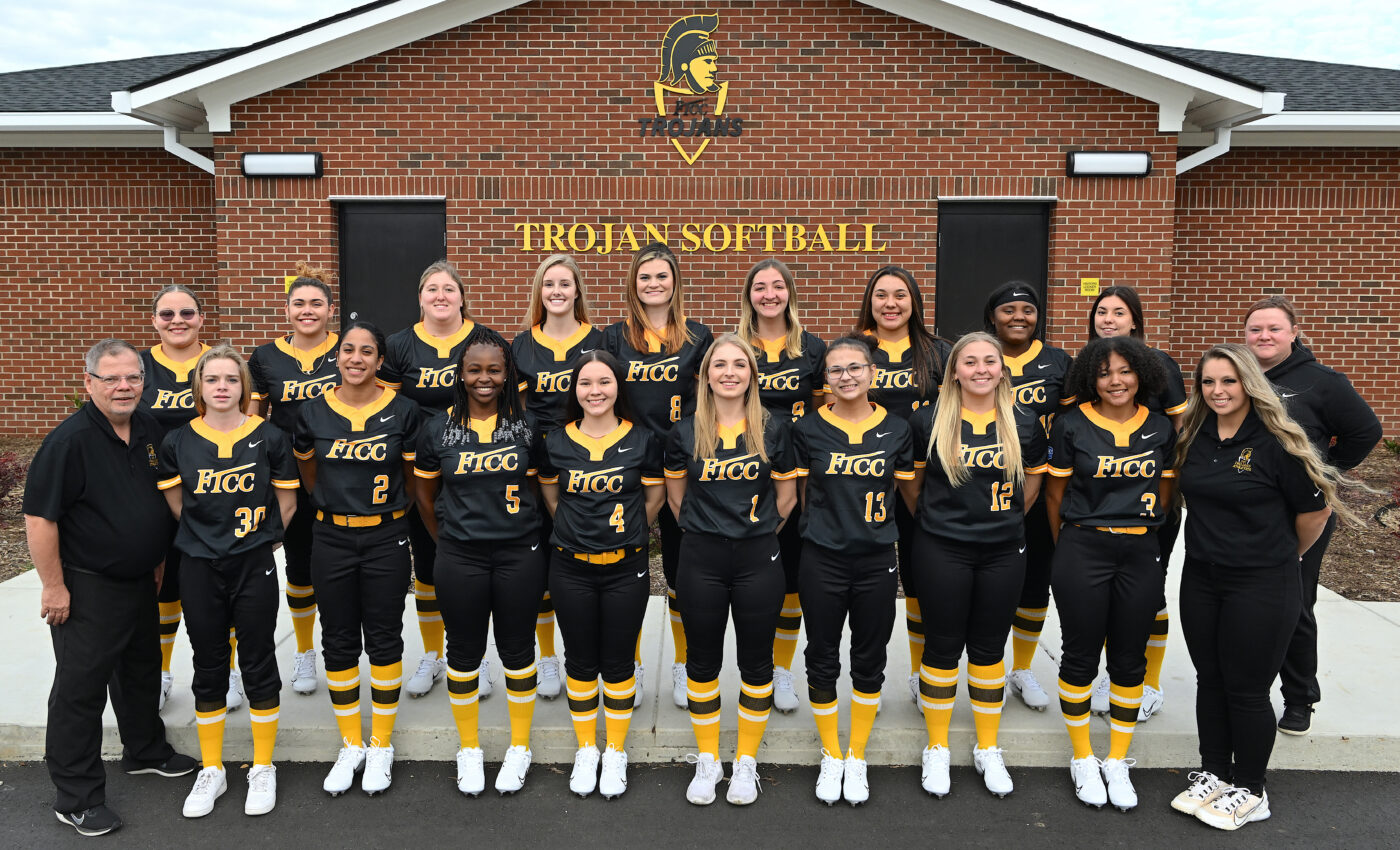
(1231,800)
(204,783)
(1118,770)
(745,771)
(831,765)
(260,781)
(992,756)
(1202,783)
(425,666)
(306,666)
(782,679)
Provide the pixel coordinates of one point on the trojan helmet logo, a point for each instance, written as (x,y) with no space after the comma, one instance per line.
(689,62)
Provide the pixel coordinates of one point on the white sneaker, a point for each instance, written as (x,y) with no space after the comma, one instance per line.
(639,672)
(833,771)
(784,697)
(209,785)
(430,670)
(484,685)
(585,775)
(990,764)
(1088,781)
(1025,685)
(678,686)
(1205,787)
(350,762)
(379,769)
(1152,700)
(708,773)
(854,786)
(1233,808)
(262,790)
(743,783)
(471,772)
(167,683)
(547,681)
(1098,700)
(1120,788)
(935,778)
(304,672)
(914,688)
(234,700)
(612,779)
(513,769)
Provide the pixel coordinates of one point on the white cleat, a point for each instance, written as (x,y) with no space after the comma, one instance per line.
(584,778)
(234,700)
(784,697)
(1120,788)
(744,786)
(209,785)
(1205,787)
(304,672)
(471,771)
(854,786)
(992,767)
(829,778)
(484,685)
(1152,700)
(914,688)
(678,686)
(548,683)
(708,773)
(379,770)
(1088,781)
(639,672)
(612,779)
(342,775)
(514,767)
(1098,700)
(1233,808)
(935,778)
(431,668)
(167,683)
(1025,685)
(262,790)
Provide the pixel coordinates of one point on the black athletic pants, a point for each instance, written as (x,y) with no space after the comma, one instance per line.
(238,592)
(790,542)
(1298,678)
(600,608)
(424,548)
(908,527)
(111,636)
(478,581)
(296,542)
(1167,533)
(1040,553)
(360,575)
(1107,587)
(170,579)
(670,534)
(835,585)
(970,593)
(720,574)
(1237,623)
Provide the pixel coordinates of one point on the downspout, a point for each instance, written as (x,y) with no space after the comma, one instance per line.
(1273,104)
(172,145)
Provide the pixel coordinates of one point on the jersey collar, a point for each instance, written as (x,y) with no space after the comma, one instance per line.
(597,445)
(182,369)
(729,434)
(443,344)
(306,358)
(1018,364)
(485,428)
(979,421)
(560,347)
(894,349)
(225,440)
(1122,432)
(358,416)
(772,349)
(854,431)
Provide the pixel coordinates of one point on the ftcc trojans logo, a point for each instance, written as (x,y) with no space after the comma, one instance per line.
(689,61)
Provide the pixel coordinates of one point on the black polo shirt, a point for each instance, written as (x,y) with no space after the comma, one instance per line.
(112,520)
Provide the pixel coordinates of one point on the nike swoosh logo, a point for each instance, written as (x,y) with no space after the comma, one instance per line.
(1318,493)
(1043,366)
(642,573)
(533,548)
(775,555)
(387,418)
(78,819)
(586,350)
(1149,436)
(879,434)
(403,541)
(255,445)
(1287,395)
(620,451)
(1020,295)
(892,569)
(1021,551)
(270,572)
(1158,559)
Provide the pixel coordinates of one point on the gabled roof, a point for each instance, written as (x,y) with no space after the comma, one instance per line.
(1311,86)
(88,88)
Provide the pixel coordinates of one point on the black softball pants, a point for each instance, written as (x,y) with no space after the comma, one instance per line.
(1298,678)
(296,542)
(360,575)
(718,575)
(424,547)
(670,534)
(834,585)
(790,542)
(503,579)
(240,592)
(970,593)
(1237,623)
(600,608)
(1040,554)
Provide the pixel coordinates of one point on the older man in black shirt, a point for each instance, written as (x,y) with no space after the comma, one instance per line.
(98,529)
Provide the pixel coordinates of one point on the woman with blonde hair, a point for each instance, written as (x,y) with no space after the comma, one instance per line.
(979,466)
(731,483)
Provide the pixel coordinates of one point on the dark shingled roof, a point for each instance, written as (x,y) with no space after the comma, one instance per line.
(1311,86)
(87,88)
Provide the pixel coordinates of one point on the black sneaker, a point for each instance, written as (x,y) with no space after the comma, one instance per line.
(1296,719)
(98,820)
(178,764)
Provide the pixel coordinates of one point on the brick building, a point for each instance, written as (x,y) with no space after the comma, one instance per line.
(839,136)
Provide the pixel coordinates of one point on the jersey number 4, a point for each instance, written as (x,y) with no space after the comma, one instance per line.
(617,520)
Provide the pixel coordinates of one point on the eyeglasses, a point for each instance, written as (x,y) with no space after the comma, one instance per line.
(855,370)
(169,315)
(111,381)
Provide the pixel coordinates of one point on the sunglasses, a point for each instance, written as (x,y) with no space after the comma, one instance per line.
(169,315)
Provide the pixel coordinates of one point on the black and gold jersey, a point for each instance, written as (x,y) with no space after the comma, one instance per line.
(487,477)
(422,367)
(546,368)
(731,494)
(226,480)
(285,377)
(359,451)
(1038,377)
(660,387)
(851,468)
(166,392)
(896,382)
(986,508)
(1114,469)
(786,385)
(1171,400)
(602,501)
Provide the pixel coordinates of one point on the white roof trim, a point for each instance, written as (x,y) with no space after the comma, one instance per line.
(58,122)
(1329,121)
(87,130)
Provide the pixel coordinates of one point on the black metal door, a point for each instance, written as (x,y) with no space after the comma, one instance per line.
(384,247)
(982,245)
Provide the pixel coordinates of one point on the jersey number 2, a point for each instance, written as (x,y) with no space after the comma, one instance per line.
(381,490)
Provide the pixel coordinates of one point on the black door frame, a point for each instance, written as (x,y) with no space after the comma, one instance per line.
(992,206)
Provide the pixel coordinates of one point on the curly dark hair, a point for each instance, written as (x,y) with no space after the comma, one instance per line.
(1084,374)
(510,409)
(622,408)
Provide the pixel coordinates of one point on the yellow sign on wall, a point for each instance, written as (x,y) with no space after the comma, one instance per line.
(718,237)
(1089,287)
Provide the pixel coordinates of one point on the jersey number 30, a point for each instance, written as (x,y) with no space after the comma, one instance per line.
(248,521)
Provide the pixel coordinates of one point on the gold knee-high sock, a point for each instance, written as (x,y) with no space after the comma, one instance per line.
(704,714)
(914,620)
(1157,649)
(1123,703)
(544,627)
(828,718)
(937,689)
(583,710)
(520,703)
(301,602)
(344,687)
(617,711)
(637,657)
(209,725)
(986,688)
(384,682)
(863,707)
(264,722)
(1025,636)
(169,625)
(677,630)
(1074,707)
(755,705)
(232,650)
(425,602)
(462,695)
(785,637)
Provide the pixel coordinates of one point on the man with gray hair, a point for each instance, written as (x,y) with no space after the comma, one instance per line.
(98,529)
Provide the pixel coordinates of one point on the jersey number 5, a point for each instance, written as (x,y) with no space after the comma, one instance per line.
(512,498)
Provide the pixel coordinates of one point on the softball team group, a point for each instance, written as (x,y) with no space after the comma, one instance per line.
(517,481)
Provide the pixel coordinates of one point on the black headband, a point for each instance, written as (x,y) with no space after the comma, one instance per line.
(1018,293)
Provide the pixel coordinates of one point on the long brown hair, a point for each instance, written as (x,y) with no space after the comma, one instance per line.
(748,316)
(535,315)
(675,335)
(922,344)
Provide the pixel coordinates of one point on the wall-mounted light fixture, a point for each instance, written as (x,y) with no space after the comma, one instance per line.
(1108,164)
(281,165)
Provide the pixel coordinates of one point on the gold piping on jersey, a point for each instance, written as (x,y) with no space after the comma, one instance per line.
(485,429)
(306,357)
(1122,431)
(773,349)
(182,369)
(225,439)
(979,421)
(560,347)
(894,348)
(855,431)
(358,416)
(443,344)
(1017,364)
(729,434)
(597,445)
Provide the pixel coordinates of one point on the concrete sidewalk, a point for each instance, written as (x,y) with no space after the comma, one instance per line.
(1353,729)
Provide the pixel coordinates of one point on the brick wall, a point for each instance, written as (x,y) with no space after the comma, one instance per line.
(1321,226)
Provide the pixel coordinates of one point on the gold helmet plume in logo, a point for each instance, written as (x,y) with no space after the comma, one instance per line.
(688,55)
